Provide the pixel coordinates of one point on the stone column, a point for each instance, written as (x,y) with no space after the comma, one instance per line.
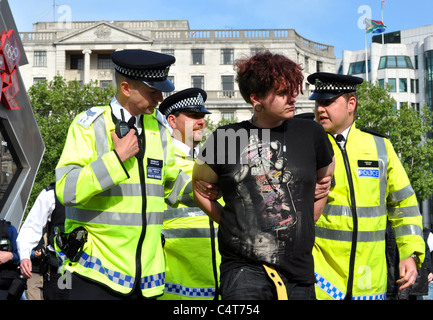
(86,78)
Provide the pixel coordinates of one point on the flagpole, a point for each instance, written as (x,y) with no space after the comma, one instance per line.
(366,55)
(381,9)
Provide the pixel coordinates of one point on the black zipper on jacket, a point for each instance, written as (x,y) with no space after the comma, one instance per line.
(140,159)
(349,290)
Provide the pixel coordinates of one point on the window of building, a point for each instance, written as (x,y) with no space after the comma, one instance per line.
(228,85)
(395,62)
(402,85)
(416,62)
(104,61)
(306,64)
(227,56)
(168,51)
(392,84)
(40,59)
(36,80)
(105,83)
(428,65)
(358,67)
(197,82)
(77,62)
(319,66)
(197,56)
(415,106)
(228,116)
(382,83)
(254,51)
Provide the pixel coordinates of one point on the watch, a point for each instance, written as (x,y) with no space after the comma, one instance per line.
(415,257)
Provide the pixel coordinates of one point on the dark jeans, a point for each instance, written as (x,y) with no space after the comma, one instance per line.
(253,283)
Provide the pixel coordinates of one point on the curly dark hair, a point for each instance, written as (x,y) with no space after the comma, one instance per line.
(266,71)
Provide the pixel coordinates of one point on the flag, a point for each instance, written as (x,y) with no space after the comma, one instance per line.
(374,26)
(383,2)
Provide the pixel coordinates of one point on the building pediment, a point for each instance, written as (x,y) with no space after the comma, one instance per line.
(103,32)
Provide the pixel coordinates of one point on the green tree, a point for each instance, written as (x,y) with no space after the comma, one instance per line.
(406,128)
(55,104)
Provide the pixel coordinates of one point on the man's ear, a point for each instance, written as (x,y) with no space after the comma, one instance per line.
(171,119)
(255,99)
(351,104)
(125,87)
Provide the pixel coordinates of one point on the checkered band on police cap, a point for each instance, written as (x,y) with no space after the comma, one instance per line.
(147,74)
(333,86)
(191,99)
(185,103)
(329,85)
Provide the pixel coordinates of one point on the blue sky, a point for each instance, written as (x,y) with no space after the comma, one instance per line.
(332,22)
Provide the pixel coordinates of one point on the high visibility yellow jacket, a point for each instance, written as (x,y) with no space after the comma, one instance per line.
(371,186)
(121,205)
(191,250)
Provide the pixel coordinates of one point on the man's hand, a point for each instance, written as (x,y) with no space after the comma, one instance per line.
(127,147)
(322,187)
(5,256)
(208,190)
(408,273)
(26,268)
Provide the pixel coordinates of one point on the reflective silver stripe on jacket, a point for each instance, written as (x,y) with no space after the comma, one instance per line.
(112,218)
(382,157)
(401,194)
(187,233)
(180,182)
(133,190)
(346,235)
(362,212)
(184,212)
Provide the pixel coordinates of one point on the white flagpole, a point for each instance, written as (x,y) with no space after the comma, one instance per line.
(381,9)
(366,54)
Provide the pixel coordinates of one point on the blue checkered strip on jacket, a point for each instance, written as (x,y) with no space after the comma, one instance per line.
(329,288)
(336,294)
(191,292)
(117,277)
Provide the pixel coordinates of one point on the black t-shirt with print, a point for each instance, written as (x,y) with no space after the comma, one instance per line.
(268,178)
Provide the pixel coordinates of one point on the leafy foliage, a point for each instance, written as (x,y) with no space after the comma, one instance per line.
(55,104)
(408,130)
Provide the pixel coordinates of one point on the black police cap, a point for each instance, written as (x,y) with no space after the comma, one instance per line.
(191,100)
(331,85)
(147,66)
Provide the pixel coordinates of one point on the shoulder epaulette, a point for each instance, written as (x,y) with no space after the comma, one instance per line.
(87,117)
(374,133)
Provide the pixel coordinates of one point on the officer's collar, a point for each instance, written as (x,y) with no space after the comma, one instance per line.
(184,148)
(116,107)
(345,133)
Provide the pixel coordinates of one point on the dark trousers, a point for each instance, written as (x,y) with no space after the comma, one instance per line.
(83,289)
(253,283)
(51,289)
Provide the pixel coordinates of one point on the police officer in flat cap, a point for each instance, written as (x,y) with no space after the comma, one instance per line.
(370,186)
(189,234)
(116,171)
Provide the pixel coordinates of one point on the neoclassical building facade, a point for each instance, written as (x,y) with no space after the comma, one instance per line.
(204,58)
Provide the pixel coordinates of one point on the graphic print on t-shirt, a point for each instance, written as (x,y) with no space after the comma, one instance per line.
(265,163)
